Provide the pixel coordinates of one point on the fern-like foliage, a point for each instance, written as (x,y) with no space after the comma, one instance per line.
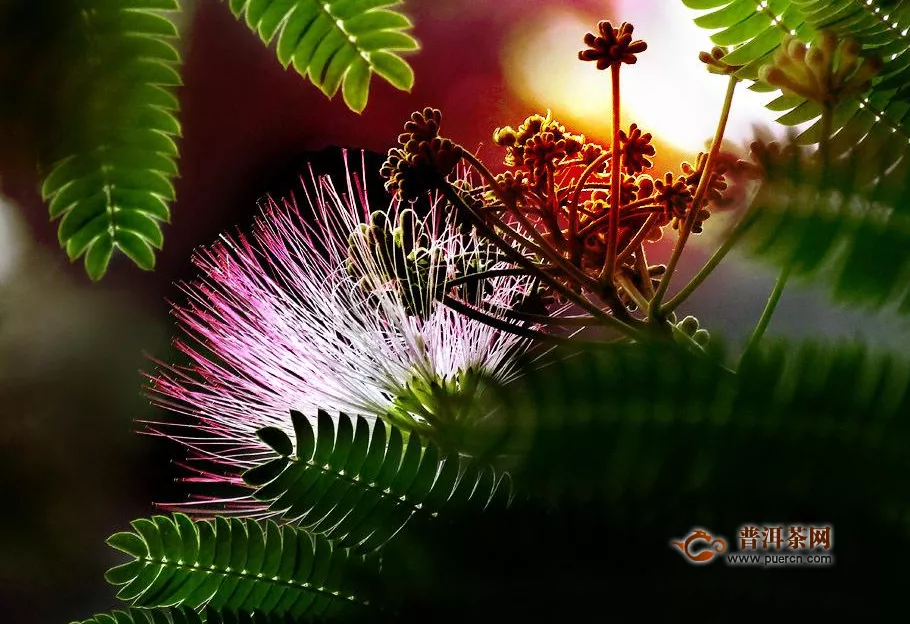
(112,178)
(754,29)
(873,121)
(237,565)
(146,616)
(359,484)
(336,43)
(184,615)
(870,120)
(671,433)
(845,221)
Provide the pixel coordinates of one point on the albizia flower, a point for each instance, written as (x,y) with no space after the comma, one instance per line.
(313,315)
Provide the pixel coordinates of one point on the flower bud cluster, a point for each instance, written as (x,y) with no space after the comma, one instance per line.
(826,72)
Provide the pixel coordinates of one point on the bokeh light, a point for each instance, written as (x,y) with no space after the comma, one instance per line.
(10,241)
(667,92)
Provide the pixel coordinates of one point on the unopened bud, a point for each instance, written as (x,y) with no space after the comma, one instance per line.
(689,325)
(816,60)
(868,69)
(796,50)
(828,44)
(849,51)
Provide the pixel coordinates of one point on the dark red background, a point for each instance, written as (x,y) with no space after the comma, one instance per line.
(75,470)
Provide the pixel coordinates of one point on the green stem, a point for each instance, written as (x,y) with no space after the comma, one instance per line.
(518,258)
(824,144)
(630,211)
(781,283)
(568,321)
(574,204)
(498,323)
(641,264)
(632,291)
(738,231)
(709,267)
(524,332)
(700,192)
(768,312)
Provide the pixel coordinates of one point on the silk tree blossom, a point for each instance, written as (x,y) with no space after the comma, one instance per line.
(306,316)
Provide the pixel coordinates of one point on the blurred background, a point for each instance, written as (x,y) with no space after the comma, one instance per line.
(71,352)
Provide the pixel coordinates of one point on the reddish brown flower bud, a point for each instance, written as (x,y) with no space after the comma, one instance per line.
(423,159)
(673,195)
(612,45)
(636,147)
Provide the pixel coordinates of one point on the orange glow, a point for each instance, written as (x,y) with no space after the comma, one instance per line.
(542,67)
(668,92)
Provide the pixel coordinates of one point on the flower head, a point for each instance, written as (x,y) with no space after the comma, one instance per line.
(715,60)
(514,185)
(307,316)
(717,184)
(539,142)
(636,147)
(673,194)
(612,46)
(423,158)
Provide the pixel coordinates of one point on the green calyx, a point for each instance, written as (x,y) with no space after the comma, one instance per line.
(450,411)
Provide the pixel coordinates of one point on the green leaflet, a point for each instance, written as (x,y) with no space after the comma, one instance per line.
(146,616)
(665,432)
(848,228)
(336,43)
(359,483)
(184,615)
(112,178)
(237,565)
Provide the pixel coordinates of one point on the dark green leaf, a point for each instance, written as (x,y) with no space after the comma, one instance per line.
(136,248)
(276,439)
(99,256)
(184,615)
(264,473)
(306,441)
(844,223)
(113,172)
(255,565)
(359,485)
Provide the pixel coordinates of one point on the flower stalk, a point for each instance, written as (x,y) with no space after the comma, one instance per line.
(655,311)
(522,261)
(577,217)
(615,179)
(768,312)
